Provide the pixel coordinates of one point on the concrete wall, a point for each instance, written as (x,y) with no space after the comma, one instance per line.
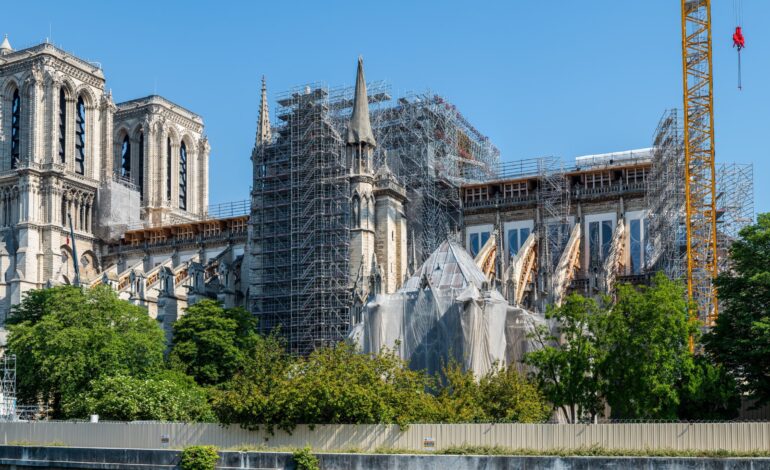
(14,457)
(738,437)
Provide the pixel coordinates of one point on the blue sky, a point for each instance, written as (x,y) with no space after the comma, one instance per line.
(539,78)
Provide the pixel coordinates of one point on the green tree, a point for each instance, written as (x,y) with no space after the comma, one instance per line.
(170,396)
(740,340)
(708,392)
(507,397)
(332,385)
(211,342)
(645,349)
(65,337)
(565,364)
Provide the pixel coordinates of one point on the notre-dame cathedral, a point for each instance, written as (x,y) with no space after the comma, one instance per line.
(69,154)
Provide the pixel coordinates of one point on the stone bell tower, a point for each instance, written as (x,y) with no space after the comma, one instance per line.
(359,145)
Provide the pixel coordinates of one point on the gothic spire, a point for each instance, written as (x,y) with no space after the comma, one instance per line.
(5,47)
(360,129)
(263,123)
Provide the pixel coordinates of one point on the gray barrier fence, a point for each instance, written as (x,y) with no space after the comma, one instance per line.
(735,436)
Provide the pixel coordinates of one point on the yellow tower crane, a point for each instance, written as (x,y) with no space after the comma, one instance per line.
(700,172)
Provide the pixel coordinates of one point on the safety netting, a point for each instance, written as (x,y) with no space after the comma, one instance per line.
(446,311)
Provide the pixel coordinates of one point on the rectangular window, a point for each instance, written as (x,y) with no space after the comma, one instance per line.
(511,190)
(606,238)
(598,179)
(635,242)
(516,239)
(476,194)
(636,175)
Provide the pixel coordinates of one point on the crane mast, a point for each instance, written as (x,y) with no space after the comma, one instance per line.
(700,172)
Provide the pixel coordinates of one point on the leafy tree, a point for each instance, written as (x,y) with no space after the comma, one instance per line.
(332,385)
(65,337)
(564,366)
(165,397)
(507,397)
(211,342)
(645,349)
(740,340)
(708,392)
(500,396)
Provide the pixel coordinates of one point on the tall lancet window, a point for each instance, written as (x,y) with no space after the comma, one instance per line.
(168,169)
(15,129)
(125,158)
(183,176)
(140,170)
(62,125)
(80,138)
(356,211)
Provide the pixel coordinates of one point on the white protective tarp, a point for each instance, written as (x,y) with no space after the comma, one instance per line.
(445,310)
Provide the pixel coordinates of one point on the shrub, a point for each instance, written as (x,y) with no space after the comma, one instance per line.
(199,458)
(305,459)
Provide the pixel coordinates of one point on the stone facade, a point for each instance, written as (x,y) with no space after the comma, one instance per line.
(61,139)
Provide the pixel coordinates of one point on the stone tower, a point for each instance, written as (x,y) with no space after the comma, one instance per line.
(55,141)
(359,145)
(390,228)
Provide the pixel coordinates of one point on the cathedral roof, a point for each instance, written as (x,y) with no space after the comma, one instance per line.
(360,129)
(5,46)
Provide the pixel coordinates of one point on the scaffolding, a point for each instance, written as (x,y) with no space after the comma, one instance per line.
(432,149)
(553,227)
(735,205)
(300,212)
(665,199)
(8,389)
(300,225)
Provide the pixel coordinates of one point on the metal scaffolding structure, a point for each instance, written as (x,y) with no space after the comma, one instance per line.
(553,227)
(665,199)
(432,149)
(735,205)
(8,389)
(300,213)
(300,225)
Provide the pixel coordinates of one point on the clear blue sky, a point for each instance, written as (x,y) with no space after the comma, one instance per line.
(559,78)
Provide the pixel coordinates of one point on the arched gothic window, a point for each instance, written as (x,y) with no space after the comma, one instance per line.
(15,129)
(183,176)
(80,138)
(356,211)
(140,170)
(168,169)
(371,211)
(125,158)
(62,125)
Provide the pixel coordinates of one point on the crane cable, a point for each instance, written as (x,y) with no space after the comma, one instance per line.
(739,42)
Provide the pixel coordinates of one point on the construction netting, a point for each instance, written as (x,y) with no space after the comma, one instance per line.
(446,311)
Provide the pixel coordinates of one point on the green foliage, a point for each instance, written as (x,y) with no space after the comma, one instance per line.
(644,341)
(305,459)
(166,397)
(211,342)
(633,355)
(708,392)
(500,396)
(199,458)
(565,366)
(66,337)
(740,341)
(331,386)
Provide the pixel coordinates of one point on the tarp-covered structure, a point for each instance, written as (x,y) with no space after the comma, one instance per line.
(446,310)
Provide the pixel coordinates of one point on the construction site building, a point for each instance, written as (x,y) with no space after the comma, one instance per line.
(603,220)
(352,191)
